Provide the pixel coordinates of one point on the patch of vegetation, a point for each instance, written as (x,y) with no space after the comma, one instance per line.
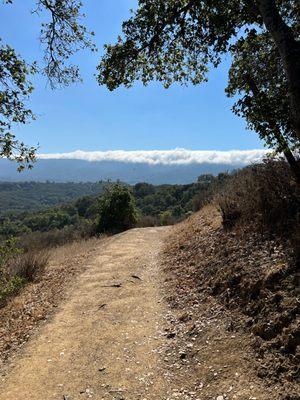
(117,210)
(248,256)
(77,219)
(33,196)
(9,283)
(18,267)
(263,197)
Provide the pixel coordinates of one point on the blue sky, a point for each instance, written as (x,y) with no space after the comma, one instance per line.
(88,117)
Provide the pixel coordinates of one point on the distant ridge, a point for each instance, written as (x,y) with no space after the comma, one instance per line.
(63,170)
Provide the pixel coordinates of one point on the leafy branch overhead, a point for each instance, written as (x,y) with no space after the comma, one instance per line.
(178,41)
(62,36)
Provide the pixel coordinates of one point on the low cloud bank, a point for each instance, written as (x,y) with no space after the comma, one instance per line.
(164,157)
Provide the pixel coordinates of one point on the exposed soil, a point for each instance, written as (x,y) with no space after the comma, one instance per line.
(104,340)
(254,285)
(39,300)
(130,324)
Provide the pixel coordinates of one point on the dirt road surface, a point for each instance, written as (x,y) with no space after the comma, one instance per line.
(103,342)
(118,336)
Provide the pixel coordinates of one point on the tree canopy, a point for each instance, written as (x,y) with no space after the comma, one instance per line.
(178,41)
(172,41)
(61,36)
(117,211)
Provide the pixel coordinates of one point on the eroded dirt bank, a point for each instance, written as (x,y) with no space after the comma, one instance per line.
(235,296)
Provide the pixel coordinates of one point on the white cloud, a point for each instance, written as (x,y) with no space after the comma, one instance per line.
(165,157)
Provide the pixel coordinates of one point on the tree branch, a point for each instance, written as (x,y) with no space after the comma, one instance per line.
(289,50)
(284,146)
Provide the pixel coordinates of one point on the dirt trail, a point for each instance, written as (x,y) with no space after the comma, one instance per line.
(117,337)
(103,342)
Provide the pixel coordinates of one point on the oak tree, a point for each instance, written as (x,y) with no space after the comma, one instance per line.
(61,36)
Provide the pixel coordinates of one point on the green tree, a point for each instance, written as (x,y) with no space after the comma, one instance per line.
(177,41)
(166,218)
(117,210)
(61,36)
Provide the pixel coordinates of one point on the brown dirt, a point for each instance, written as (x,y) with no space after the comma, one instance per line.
(37,301)
(127,329)
(103,341)
(248,287)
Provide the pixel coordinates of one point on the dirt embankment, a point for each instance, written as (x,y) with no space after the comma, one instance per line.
(254,285)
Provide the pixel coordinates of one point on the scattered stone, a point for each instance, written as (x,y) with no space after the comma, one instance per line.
(136,277)
(171,335)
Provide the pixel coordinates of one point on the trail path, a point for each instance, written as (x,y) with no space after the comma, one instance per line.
(103,342)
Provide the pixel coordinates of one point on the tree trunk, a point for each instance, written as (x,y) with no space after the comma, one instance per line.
(294,164)
(289,50)
(292,161)
(283,145)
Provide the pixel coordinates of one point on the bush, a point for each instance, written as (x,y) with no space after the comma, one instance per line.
(17,268)
(147,220)
(117,210)
(37,241)
(8,284)
(210,185)
(202,199)
(28,266)
(166,218)
(265,195)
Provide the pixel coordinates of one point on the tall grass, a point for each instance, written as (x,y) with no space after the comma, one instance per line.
(28,266)
(17,268)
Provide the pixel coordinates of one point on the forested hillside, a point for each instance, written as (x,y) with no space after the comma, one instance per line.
(33,196)
(43,207)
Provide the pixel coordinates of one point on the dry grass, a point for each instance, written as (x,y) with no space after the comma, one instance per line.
(38,241)
(147,221)
(29,266)
(65,253)
(253,277)
(263,197)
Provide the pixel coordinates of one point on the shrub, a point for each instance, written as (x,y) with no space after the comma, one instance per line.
(202,199)
(265,195)
(8,284)
(37,241)
(28,266)
(147,220)
(166,218)
(209,186)
(117,210)
(17,268)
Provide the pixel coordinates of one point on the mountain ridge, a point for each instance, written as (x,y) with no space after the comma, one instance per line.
(93,171)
